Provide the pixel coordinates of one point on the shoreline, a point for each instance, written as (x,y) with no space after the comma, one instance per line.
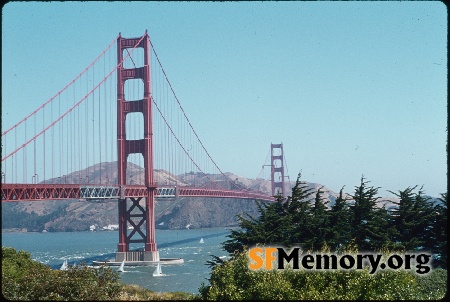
(16,230)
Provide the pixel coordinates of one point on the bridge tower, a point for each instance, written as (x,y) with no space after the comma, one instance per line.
(277,169)
(143,146)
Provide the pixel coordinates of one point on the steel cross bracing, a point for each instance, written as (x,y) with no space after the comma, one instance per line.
(135,203)
(14,190)
(30,192)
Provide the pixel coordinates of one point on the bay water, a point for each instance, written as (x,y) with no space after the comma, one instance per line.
(52,248)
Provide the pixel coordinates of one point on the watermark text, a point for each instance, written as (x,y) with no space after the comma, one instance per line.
(278,258)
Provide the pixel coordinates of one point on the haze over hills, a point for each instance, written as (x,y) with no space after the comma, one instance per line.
(75,215)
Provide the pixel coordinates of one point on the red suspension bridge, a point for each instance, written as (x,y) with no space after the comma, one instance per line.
(120,116)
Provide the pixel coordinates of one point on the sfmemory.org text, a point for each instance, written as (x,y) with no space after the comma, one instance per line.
(277,257)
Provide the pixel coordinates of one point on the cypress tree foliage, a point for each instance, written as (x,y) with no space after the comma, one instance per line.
(423,229)
(299,208)
(320,223)
(285,222)
(301,219)
(379,230)
(364,228)
(266,229)
(440,233)
(339,234)
(413,221)
(276,223)
(403,219)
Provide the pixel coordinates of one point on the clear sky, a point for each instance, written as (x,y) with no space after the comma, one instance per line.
(349,88)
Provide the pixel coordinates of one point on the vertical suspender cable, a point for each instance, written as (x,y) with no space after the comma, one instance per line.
(60,139)
(172,145)
(52,138)
(111,120)
(71,138)
(159,124)
(79,132)
(5,171)
(114,80)
(34,143)
(24,158)
(44,149)
(86,116)
(108,114)
(104,111)
(93,121)
(166,162)
(99,132)
(15,157)
(68,140)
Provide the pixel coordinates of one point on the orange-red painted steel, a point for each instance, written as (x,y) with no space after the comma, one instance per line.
(35,192)
(143,146)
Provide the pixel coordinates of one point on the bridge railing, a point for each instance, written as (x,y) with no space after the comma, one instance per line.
(30,192)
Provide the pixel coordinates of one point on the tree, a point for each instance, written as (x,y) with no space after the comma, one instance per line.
(403,219)
(412,221)
(286,222)
(320,223)
(365,217)
(269,228)
(339,234)
(440,233)
(423,229)
(298,206)
(379,232)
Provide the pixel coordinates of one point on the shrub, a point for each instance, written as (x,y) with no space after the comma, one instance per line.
(233,280)
(433,285)
(25,279)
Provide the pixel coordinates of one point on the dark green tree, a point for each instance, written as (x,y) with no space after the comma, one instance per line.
(286,222)
(423,228)
(340,227)
(365,217)
(403,219)
(378,229)
(413,221)
(320,223)
(440,232)
(269,228)
(298,206)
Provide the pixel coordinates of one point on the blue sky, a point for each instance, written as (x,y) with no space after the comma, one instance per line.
(349,88)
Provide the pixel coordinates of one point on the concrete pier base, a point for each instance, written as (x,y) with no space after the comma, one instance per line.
(162,261)
(137,256)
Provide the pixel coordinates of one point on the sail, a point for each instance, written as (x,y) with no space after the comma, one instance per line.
(158,271)
(64,265)
(120,269)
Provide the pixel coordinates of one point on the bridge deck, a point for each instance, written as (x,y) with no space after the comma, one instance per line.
(33,192)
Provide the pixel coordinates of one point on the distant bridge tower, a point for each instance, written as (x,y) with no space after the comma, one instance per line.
(143,146)
(277,169)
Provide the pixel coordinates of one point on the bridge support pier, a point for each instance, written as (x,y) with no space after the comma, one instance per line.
(137,256)
(277,170)
(136,215)
(129,217)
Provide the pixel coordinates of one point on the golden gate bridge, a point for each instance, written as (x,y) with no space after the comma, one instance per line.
(121,109)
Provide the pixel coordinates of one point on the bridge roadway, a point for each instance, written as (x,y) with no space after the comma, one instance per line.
(33,192)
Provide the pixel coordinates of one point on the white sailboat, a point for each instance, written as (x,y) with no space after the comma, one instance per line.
(201,240)
(120,269)
(64,265)
(158,271)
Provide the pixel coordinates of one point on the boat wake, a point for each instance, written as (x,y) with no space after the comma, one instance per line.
(158,271)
